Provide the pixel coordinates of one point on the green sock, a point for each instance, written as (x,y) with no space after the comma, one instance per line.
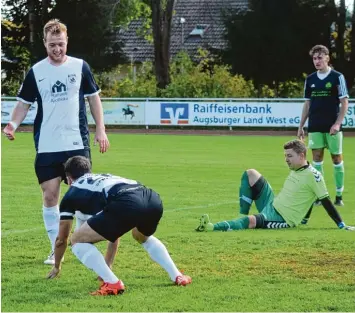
(318,166)
(240,223)
(339,178)
(245,195)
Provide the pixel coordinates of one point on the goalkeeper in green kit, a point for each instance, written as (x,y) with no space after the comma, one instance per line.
(302,188)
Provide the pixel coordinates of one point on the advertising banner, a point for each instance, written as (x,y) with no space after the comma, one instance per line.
(121,113)
(251,114)
(115,113)
(193,113)
(7,106)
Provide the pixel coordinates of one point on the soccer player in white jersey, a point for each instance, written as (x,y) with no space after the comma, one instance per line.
(59,84)
(302,187)
(126,205)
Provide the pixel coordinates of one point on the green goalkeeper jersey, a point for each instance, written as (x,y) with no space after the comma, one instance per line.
(300,190)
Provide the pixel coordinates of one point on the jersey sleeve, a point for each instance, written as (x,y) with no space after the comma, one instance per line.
(307,90)
(28,90)
(342,88)
(317,184)
(90,87)
(66,207)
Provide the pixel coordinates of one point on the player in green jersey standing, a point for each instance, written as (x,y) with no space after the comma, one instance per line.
(324,91)
(302,187)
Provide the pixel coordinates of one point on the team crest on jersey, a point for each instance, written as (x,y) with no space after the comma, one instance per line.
(328,85)
(72,78)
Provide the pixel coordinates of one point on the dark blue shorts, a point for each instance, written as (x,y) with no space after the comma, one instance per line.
(141,208)
(50,165)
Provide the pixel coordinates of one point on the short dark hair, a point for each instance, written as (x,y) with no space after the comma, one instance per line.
(296,145)
(77,166)
(319,49)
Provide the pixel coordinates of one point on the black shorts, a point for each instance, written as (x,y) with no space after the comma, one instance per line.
(50,165)
(141,208)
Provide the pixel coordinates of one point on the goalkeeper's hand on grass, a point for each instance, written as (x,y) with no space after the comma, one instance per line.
(342,225)
(53,273)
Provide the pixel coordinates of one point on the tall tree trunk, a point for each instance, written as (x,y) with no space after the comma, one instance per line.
(351,72)
(340,40)
(162,14)
(45,6)
(32,27)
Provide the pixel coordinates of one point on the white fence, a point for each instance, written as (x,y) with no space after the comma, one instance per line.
(194,112)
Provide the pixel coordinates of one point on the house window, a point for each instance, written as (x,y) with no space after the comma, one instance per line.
(199,30)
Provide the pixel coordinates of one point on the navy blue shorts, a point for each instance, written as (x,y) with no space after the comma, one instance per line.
(141,208)
(50,165)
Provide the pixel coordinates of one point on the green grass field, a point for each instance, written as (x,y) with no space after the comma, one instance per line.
(310,268)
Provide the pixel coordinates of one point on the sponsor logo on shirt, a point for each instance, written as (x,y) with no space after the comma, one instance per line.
(59,92)
(59,87)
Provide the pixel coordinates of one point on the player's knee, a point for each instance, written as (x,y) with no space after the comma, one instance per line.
(318,155)
(50,198)
(253,176)
(337,158)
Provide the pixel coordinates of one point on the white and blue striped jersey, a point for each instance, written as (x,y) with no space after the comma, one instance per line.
(60,91)
(89,193)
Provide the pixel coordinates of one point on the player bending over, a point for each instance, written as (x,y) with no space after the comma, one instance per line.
(126,205)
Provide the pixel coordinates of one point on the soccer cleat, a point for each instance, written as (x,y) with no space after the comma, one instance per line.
(339,201)
(205,224)
(50,259)
(183,280)
(107,289)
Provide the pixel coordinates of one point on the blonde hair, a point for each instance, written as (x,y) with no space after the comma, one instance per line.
(320,49)
(54,27)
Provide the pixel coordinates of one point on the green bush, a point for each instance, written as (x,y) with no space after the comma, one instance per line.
(206,79)
(10,87)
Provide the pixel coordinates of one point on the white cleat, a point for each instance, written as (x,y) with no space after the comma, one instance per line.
(51,260)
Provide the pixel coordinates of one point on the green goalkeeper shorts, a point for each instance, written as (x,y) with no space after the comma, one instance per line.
(264,203)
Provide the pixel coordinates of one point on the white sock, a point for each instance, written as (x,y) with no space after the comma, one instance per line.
(88,254)
(51,223)
(160,254)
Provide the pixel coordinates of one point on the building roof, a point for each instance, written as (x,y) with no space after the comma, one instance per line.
(202,17)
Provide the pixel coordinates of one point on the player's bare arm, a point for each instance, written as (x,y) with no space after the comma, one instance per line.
(97,113)
(18,115)
(343,109)
(60,246)
(111,252)
(304,117)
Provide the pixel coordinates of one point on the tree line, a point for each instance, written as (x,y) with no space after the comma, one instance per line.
(268,44)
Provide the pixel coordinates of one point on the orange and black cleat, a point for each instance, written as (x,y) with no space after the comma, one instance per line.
(108,289)
(183,280)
